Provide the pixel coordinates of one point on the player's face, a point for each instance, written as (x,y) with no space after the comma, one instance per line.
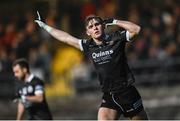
(94,29)
(19,72)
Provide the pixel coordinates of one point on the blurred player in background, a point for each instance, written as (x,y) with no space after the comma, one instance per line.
(107,52)
(31,94)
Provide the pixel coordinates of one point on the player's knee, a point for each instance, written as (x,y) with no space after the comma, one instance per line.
(104,117)
(106,114)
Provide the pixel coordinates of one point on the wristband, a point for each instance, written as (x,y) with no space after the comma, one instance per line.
(47,28)
(114,21)
(111,22)
(43,25)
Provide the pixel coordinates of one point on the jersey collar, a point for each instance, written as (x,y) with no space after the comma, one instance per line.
(105,40)
(31,76)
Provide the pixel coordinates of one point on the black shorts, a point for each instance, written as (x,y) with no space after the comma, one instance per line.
(128,102)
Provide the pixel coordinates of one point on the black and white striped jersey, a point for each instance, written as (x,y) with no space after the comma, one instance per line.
(31,87)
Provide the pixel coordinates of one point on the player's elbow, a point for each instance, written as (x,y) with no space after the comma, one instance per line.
(134,31)
(40,99)
(137,29)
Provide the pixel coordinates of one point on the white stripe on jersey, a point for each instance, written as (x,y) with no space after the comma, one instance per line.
(127,36)
(80,44)
(38,92)
(39,89)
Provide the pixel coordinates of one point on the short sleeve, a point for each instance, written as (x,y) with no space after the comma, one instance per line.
(39,88)
(123,35)
(80,44)
(83,44)
(127,36)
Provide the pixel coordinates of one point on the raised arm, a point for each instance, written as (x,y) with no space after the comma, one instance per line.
(132,28)
(59,34)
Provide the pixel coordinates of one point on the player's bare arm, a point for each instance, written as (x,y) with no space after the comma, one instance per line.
(132,28)
(59,34)
(20,111)
(37,98)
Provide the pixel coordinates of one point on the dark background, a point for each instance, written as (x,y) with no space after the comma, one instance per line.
(71,84)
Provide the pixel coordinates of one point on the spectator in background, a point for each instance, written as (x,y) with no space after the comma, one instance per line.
(87,8)
(10,35)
